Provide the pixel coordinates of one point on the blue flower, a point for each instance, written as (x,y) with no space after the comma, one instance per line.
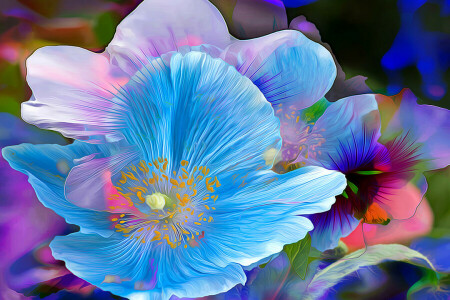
(170,175)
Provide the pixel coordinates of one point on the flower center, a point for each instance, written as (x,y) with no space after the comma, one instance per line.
(173,203)
(157,200)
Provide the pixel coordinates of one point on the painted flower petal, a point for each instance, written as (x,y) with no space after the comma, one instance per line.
(401,114)
(401,202)
(341,122)
(282,200)
(72,90)
(286,66)
(156,27)
(397,231)
(191,126)
(95,176)
(183,113)
(341,87)
(330,226)
(436,249)
(47,167)
(236,236)
(143,273)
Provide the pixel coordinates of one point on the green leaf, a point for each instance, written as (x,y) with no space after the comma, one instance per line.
(368,172)
(373,255)
(353,187)
(315,111)
(298,254)
(344,193)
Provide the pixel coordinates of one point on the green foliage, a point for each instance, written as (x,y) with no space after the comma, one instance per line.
(368,172)
(437,193)
(105,27)
(373,255)
(315,111)
(298,254)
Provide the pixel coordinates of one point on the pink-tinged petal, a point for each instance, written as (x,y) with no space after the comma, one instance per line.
(157,27)
(287,67)
(89,184)
(402,200)
(341,87)
(72,90)
(397,231)
(428,126)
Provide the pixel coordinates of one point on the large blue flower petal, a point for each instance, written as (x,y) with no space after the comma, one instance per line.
(287,67)
(47,167)
(281,201)
(144,271)
(237,236)
(183,113)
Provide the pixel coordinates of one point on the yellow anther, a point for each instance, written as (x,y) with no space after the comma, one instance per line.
(205,171)
(157,236)
(139,195)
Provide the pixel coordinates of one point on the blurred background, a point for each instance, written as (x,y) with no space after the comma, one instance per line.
(395,44)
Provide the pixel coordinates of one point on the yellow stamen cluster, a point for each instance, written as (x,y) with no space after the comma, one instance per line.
(175,205)
(301,135)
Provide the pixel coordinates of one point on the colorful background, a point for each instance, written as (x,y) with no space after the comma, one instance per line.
(396,44)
